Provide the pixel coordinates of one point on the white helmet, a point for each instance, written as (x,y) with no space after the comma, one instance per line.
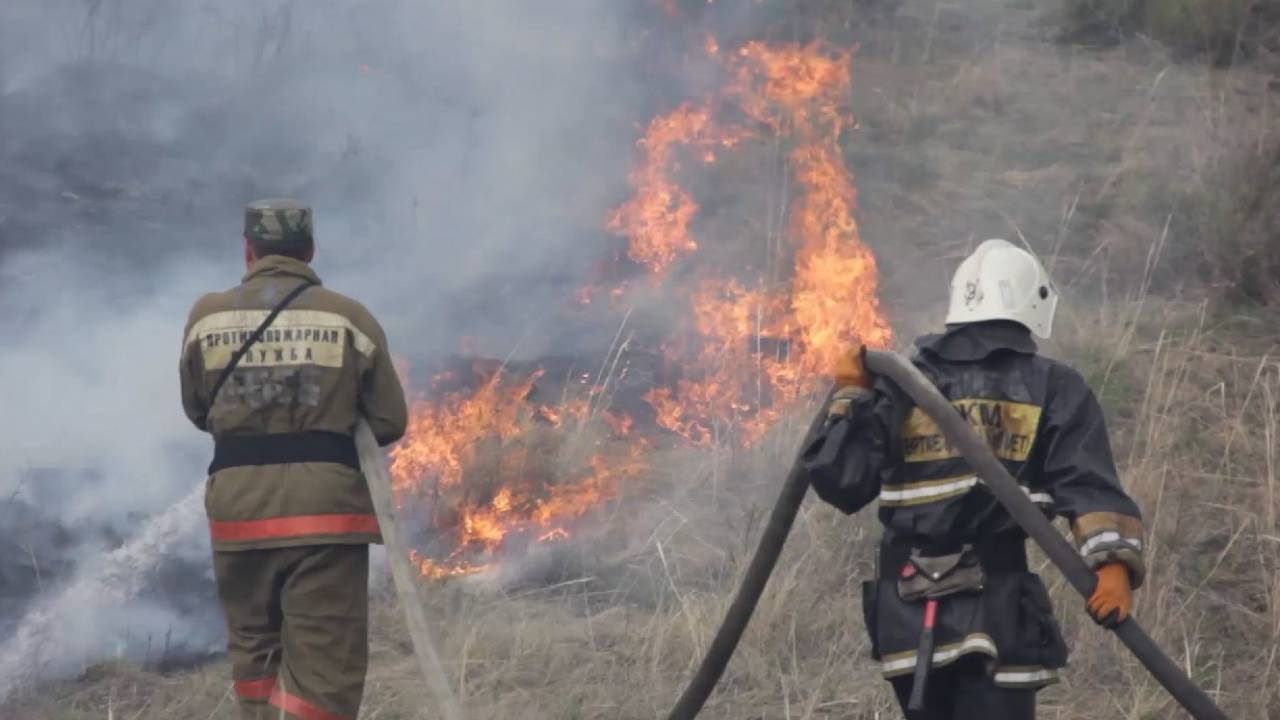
(1001,281)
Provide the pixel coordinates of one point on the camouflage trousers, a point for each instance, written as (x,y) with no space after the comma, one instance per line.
(297,627)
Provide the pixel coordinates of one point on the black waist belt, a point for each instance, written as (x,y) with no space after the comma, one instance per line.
(281,448)
(998,556)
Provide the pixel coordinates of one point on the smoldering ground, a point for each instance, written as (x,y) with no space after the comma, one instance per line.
(460,157)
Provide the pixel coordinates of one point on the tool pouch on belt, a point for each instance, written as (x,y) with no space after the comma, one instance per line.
(938,576)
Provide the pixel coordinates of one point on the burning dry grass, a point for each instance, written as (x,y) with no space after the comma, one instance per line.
(612,628)
(611,623)
(1198,452)
(744,350)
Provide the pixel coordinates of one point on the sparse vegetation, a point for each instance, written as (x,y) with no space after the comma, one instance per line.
(1223,30)
(1100,21)
(1152,184)
(1233,223)
(616,636)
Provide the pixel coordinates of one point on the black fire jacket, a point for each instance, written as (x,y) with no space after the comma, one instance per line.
(1044,423)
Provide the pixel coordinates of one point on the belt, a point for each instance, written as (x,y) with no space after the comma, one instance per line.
(998,556)
(281,448)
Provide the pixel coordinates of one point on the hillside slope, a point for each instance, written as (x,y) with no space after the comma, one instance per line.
(974,123)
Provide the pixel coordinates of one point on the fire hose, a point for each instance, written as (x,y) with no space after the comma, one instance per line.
(1001,484)
(373,461)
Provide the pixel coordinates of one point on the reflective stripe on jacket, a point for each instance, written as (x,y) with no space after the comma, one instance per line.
(1044,423)
(322,363)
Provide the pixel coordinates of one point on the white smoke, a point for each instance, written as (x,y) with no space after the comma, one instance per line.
(66,631)
(447,146)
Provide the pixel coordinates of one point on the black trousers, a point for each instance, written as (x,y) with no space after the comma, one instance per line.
(964,690)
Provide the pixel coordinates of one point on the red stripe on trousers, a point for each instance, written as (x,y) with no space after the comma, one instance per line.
(298,525)
(302,709)
(259,689)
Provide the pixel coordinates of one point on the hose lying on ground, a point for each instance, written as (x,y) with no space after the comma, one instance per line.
(373,461)
(1001,484)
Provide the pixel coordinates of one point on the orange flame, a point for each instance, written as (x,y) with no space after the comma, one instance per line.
(443,444)
(433,446)
(656,219)
(755,350)
(749,346)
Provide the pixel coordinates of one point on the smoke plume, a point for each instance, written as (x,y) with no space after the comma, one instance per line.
(460,156)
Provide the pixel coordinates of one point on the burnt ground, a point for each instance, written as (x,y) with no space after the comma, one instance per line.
(41,552)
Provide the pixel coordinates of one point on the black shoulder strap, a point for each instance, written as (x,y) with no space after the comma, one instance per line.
(255,337)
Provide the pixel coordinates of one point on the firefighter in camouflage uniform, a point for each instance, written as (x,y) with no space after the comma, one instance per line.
(277,370)
(945,536)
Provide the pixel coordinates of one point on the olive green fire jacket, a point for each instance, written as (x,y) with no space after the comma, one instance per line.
(285,472)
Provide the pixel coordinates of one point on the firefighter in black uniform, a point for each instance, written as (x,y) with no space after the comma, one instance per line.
(947,541)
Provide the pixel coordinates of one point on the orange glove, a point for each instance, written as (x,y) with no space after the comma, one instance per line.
(851,371)
(1112,599)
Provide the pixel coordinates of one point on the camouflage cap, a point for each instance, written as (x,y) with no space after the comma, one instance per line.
(278,221)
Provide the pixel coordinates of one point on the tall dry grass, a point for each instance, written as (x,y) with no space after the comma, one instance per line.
(614,627)
(1199,455)
(955,137)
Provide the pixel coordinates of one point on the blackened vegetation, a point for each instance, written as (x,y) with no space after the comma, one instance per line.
(41,552)
(35,551)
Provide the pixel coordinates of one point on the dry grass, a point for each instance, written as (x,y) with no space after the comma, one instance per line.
(1089,156)
(1081,153)
(618,631)
(117,690)
(1225,31)
(1198,453)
